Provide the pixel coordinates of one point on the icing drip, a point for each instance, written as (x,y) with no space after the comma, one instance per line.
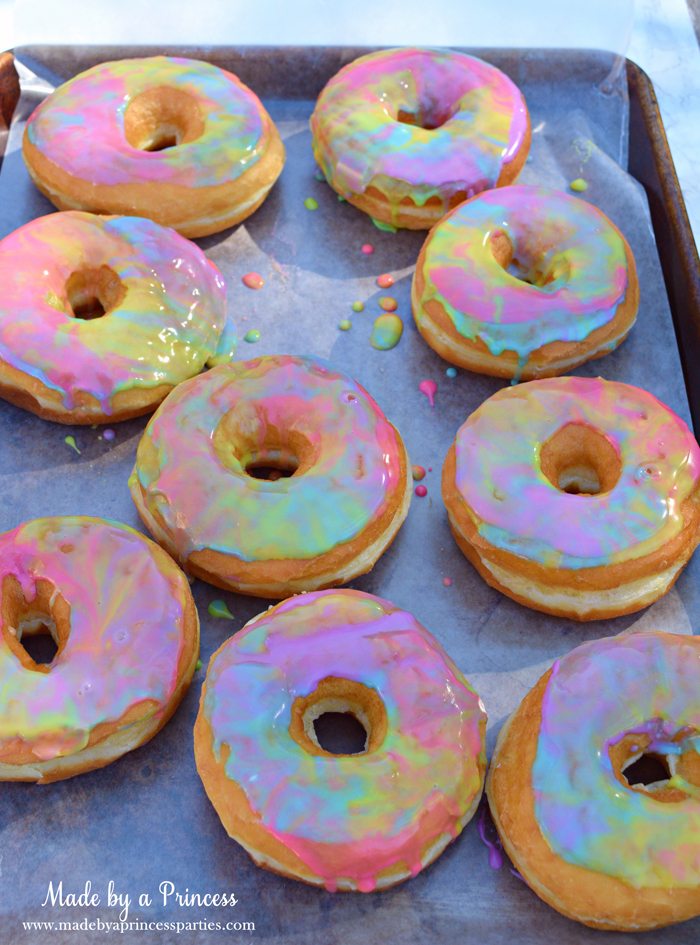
(206,498)
(164,327)
(646,684)
(82,124)
(516,508)
(125,636)
(567,276)
(419,123)
(348,817)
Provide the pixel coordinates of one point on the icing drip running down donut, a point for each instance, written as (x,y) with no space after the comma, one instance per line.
(361,821)
(524,282)
(176,140)
(407,134)
(594,785)
(575,496)
(122,617)
(101,316)
(272,476)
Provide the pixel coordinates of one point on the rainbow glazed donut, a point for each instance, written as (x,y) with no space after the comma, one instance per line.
(407,134)
(122,616)
(101,316)
(524,282)
(575,496)
(593,834)
(355,822)
(272,476)
(179,141)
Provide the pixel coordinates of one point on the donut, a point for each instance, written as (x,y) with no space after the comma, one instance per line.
(113,313)
(407,134)
(179,141)
(352,822)
(594,785)
(121,615)
(524,282)
(575,496)
(272,476)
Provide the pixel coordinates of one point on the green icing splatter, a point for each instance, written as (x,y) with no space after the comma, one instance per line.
(579,185)
(252,336)
(70,441)
(345,325)
(385,227)
(358,306)
(311,204)
(198,666)
(386,332)
(218,608)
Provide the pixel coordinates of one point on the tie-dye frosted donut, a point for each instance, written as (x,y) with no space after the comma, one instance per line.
(524,282)
(595,783)
(123,619)
(272,476)
(360,821)
(176,140)
(407,134)
(101,316)
(575,496)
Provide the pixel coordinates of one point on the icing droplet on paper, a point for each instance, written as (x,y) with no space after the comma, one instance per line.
(253,280)
(429,388)
(386,332)
(219,608)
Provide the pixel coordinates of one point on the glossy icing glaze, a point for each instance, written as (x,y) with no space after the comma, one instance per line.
(168,323)
(191,463)
(569,278)
(639,683)
(516,508)
(125,639)
(475,122)
(81,126)
(348,816)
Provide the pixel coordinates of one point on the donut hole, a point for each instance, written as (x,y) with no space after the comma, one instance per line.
(93,292)
(271,465)
(650,768)
(340,717)
(430,117)
(35,630)
(580,460)
(532,264)
(39,638)
(249,444)
(340,733)
(641,764)
(162,118)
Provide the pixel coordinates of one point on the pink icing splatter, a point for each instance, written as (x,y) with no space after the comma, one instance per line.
(385,281)
(447,581)
(253,280)
(429,388)
(367,249)
(388,304)
(421,491)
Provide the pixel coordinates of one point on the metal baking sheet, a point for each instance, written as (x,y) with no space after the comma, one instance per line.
(144,821)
